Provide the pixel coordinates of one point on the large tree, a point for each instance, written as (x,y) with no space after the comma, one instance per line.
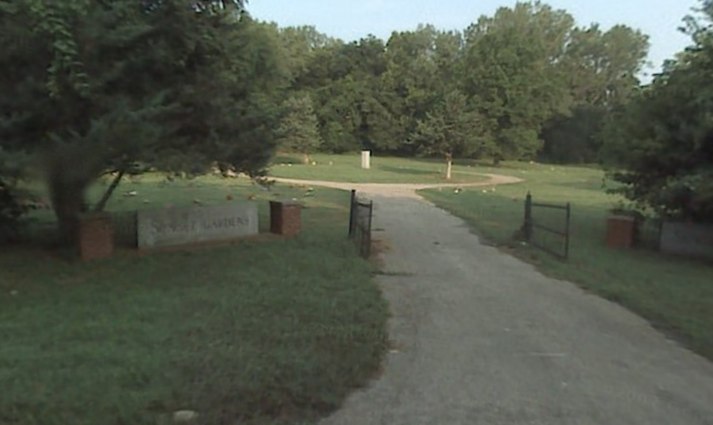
(452,129)
(661,144)
(298,131)
(600,69)
(511,75)
(107,87)
(420,68)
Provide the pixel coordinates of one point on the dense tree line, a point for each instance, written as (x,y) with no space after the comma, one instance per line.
(523,83)
(92,88)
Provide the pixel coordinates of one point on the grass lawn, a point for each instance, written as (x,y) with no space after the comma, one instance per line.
(263,331)
(675,294)
(347,168)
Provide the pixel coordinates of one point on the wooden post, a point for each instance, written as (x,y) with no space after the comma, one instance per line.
(527,224)
(368,230)
(352,200)
(566,231)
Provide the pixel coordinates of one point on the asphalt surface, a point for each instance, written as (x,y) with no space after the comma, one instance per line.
(480,337)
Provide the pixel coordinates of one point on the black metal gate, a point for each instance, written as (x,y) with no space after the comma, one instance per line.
(534,227)
(360,218)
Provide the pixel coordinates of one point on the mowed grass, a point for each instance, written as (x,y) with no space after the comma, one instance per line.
(264,331)
(347,168)
(674,293)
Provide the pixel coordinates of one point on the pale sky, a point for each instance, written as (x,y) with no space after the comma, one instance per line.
(350,20)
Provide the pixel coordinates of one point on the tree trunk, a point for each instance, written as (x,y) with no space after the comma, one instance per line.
(68,203)
(109,191)
(449,166)
(305,159)
(67,208)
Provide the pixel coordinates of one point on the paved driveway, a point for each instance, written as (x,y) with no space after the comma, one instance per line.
(482,338)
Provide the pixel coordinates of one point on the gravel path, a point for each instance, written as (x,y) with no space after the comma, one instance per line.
(400,190)
(480,337)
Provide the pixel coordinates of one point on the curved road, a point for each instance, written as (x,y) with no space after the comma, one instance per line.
(480,337)
(400,190)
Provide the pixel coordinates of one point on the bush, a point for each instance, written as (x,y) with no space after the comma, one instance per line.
(11,211)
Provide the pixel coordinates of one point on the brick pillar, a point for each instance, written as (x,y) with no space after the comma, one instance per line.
(96,237)
(285,218)
(620,231)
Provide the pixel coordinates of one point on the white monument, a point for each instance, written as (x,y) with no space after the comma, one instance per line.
(365,160)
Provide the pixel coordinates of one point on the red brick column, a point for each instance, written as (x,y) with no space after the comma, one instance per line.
(285,218)
(96,237)
(620,231)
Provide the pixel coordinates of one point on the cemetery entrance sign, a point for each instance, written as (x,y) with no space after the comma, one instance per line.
(181,226)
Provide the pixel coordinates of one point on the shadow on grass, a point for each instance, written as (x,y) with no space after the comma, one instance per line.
(408,171)
(286,159)
(213,330)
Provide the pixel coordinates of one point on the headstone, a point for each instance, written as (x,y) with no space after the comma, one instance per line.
(365,160)
(181,226)
(694,240)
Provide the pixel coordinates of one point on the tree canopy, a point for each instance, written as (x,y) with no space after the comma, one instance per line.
(108,87)
(540,84)
(297,131)
(178,85)
(661,144)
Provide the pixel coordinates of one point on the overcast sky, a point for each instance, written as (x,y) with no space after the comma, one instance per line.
(351,20)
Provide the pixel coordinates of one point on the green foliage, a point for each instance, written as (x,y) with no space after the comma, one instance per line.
(674,293)
(12,206)
(526,72)
(95,87)
(661,145)
(600,70)
(10,212)
(452,130)
(298,129)
(259,332)
(421,68)
(574,138)
(301,45)
(352,109)
(511,76)
(205,85)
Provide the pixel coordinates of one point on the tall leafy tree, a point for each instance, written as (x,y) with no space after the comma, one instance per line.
(452,129)
(417,66)
(661,144)
(511,77)
(97,87)
(600,69)
(352,109)
(301,46)
(298,129)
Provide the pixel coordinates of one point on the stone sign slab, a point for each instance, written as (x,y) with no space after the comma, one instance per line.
(181,226)
(695,240)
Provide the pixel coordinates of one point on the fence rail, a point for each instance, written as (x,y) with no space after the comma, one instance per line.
(361,213)
(531,224)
